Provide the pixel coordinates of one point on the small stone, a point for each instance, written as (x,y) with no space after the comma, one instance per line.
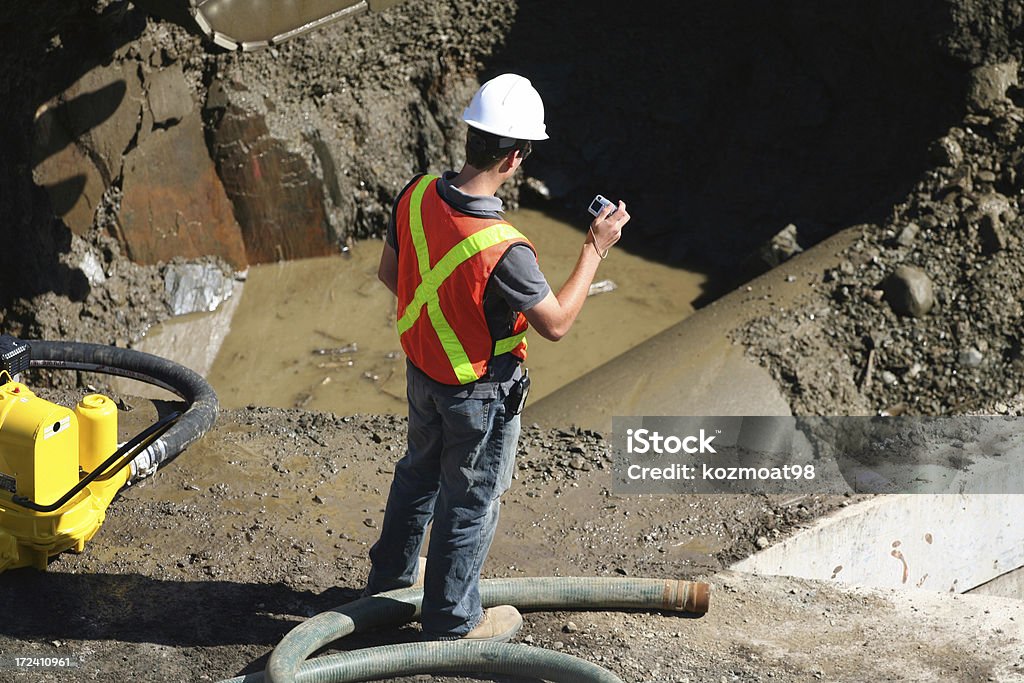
(577,463)
(570,627)
(971,357)
(986,176)
(946,151)
(909,291)
(888,377)
(557,645)
(761,542)
(992,233)
(908,234)
(372,523)
(782,247)
(92,267)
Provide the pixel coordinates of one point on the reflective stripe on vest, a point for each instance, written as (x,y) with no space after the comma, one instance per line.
(431,280)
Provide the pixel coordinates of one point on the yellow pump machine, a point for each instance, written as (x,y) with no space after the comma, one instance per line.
(45,450)
(60,468)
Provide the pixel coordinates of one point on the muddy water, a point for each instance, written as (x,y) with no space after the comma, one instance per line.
(291,338)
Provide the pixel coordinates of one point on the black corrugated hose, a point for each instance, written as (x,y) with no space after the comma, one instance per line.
(110,360)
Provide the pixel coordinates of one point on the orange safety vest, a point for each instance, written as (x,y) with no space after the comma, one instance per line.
(443,270)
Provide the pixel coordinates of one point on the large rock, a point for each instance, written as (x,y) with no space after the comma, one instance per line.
(277,194)
(168,95)
(909,291)
(196,287)
(988,84)
(80,136)
(174,203)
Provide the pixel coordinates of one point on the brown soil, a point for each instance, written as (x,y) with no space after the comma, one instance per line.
(199,571)
(782,114)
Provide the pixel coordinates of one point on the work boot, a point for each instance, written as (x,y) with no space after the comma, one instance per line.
(498,625)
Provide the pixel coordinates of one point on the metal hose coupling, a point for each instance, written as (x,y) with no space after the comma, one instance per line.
(686,596)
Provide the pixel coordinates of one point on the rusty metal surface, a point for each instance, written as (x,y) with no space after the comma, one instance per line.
(254,24)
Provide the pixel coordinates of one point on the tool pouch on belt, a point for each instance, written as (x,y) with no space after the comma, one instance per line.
(517,395)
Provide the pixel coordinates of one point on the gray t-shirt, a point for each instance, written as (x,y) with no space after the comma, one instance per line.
(516,283)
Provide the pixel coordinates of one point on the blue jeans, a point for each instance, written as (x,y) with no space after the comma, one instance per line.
(459,461)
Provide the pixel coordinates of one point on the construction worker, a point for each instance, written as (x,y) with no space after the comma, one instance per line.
(468,286)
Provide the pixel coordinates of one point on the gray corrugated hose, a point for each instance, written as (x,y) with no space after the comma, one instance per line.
(288,660)
(376,663)
(110,360)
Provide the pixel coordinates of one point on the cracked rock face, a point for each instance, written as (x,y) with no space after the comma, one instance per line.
(277,193)
(80,137)
(132,125)
(174,203)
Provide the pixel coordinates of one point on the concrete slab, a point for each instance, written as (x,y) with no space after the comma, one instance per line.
(948,543)
(1009,585)
(814,630)
(192,340)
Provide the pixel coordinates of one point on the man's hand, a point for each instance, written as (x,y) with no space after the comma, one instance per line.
(606,228)
(556,313)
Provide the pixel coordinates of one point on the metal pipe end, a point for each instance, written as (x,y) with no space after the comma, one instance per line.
(687,596)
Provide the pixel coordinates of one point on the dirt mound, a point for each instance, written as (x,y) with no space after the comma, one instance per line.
(924,316)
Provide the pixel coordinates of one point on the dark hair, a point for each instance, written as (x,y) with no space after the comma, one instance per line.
(484,150)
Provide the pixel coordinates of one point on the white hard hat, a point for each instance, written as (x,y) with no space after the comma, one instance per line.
(507,105)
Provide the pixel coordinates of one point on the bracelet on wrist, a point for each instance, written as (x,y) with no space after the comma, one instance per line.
(593,238)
